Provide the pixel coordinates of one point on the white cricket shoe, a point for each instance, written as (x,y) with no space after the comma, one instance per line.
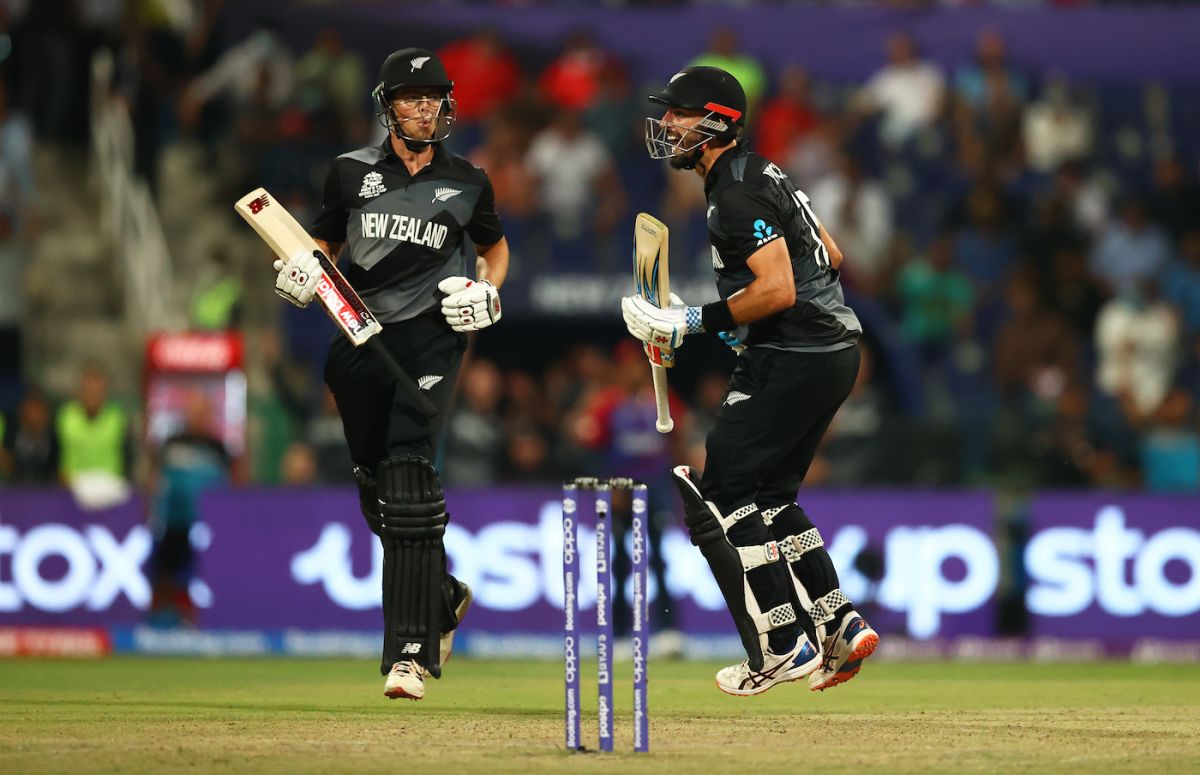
(845,651)
(741,681)
(407,680)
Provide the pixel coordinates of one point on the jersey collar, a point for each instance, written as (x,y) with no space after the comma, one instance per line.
(721,165)
(389,154)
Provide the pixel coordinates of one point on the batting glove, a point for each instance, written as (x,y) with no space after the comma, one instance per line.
(732,339)
(663,328)
(469,304)
(298,277)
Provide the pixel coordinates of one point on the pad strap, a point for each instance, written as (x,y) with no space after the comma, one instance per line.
(770,514)
(757,556)
(824,607)
(733,518)
(794,547)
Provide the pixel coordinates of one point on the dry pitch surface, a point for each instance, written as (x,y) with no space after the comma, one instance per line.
(321,716)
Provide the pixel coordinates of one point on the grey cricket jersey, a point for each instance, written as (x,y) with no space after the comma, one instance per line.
(751,203)
(405,233)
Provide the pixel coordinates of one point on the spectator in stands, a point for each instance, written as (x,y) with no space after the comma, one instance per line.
(17,189)
(907,91)
(326,437)
(1035,354)
(986,251)
(190,462)
(724,51)
(936,301)
(973,83)
(1137,348)
(94,442)
(1181,281)
(787,118)
(1084,197)
(330,83)
(30,456)
(857,209)
(14,260)
(298,466)
(1175,199)
(579,191)
(617,116)
(1056,131)
(572,81)
(1131,251)
(217,294)
(474,436)
(258,73)
(850,451)
(486,76)
(1170,445)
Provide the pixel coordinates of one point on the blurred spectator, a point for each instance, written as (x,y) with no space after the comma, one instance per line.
(1137,347)
(572,81)
(1181,280)
(94,442)
(326,437)
(217,294)
(578,186)
(17,190)
(1035,354)
(1132,250)
(787,118)
(257,73)
(617,115)
(190,462)
(987,252)
(30,445)
(1170,448)
(14,260)
(857,210)
(298,467)
(331,82)
(1085,199)
(973,83)
(1175,199)
(485,73)
(527,456)
(474,433)
(1055,130)
(724,51)
(907,91)
(936,300)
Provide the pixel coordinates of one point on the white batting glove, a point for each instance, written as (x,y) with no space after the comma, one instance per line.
(662,328)
(298,277)
(470,305)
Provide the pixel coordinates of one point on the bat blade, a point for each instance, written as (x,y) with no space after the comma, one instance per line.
(652,281)
(285,236)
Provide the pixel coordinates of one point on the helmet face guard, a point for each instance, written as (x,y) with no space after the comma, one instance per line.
(443,117)
(658,135)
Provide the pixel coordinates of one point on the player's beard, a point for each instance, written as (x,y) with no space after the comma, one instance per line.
(688,159)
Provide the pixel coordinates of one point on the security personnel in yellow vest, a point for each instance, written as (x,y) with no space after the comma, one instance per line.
(93,433)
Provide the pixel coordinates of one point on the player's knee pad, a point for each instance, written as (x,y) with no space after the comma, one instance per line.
(368,499)
(411,503)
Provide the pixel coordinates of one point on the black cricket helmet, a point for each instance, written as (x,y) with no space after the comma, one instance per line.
(414,68)
(710,90)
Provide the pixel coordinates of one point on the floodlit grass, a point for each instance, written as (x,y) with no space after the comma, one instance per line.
(318,716)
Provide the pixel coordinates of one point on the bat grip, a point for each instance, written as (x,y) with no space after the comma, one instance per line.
(664,424)
(404,383)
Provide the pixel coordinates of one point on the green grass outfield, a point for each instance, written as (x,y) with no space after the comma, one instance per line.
(319,716)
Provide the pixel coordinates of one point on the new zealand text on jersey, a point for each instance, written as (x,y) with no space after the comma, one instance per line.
(403,228)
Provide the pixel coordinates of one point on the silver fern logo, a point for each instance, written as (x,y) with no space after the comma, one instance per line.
(734,397)
(442,194)
(418,63)
(426,382)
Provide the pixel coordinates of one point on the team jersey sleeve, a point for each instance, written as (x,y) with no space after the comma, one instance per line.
(750,218)
(484,228)
(330,225)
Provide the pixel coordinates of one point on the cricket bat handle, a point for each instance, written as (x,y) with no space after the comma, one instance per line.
(664,424)
(403,381)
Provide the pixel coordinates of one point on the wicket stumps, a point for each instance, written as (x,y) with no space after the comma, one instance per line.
(602,489)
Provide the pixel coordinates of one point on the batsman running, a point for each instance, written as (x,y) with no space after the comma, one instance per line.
(405,215)
(782,308)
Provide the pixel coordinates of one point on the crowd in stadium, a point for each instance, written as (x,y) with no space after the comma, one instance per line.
(1024,251)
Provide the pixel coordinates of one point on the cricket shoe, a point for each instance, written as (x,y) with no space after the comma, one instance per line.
(407,680)
(461,598)
(845,651)
(741,681)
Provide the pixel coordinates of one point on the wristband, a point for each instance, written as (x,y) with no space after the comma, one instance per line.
(717,317)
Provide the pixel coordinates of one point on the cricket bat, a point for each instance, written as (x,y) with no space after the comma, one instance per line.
(285,236)
(652,282)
